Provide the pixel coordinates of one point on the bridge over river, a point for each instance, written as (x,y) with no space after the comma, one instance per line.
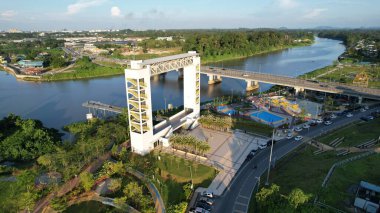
(253,78)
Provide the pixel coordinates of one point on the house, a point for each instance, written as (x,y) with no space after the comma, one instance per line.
(168,38)
(29,63)
(367,197)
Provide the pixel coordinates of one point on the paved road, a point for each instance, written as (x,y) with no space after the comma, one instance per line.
(237,196)
(330,87)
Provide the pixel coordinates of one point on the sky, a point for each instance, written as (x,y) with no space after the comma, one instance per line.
(178,14)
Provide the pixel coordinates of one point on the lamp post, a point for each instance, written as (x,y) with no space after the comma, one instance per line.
(191,176)
(270,159)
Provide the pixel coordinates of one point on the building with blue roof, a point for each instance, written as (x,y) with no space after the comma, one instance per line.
(29,64)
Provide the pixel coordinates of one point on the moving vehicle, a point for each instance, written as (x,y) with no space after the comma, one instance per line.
(319,120)
(298,138)
(262,146)
(313,123)
(327,123)
(298,129)
(306,126)
(362,110)
(333,116)
(349,115)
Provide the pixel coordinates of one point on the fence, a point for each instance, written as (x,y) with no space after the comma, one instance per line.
(340,163)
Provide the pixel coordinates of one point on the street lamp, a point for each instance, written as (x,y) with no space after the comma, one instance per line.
(270,159)
(191,176)
(258,183)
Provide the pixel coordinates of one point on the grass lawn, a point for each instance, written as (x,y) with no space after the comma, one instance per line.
(179,170)
(175,173)
(337,192)
(252,126)
(355,133)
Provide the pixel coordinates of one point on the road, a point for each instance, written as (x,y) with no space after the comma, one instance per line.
(237,196)
(329,87)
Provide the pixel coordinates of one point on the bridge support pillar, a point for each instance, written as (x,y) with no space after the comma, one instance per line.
(180,73)
(214,79)
(299,90)
(252,85)
(360,100)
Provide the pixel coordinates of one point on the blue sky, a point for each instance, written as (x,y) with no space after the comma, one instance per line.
(174,14)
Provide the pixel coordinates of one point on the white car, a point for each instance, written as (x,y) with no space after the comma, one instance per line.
(319,120)
(298,138)
(366,107)
(289,136)
(306,126)
(208,194)
(298,129)
(349,115)
(262,146)
(332,116)
(362,110)
(327,123)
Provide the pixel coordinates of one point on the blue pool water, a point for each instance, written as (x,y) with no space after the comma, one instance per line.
(266,116)
(220,108)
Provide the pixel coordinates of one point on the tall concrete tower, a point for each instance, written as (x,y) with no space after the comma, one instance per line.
(143,134)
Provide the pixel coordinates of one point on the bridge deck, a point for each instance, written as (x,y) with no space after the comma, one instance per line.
(293,82)
(102,106)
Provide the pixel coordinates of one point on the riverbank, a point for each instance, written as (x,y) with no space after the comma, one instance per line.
(208,60)
(95,70)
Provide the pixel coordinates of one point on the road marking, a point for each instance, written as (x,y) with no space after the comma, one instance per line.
(238,211)
(242,196)
(241,204)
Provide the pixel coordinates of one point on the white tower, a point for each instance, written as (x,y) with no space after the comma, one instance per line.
(142,132)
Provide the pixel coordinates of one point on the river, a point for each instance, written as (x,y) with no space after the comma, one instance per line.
(59,103)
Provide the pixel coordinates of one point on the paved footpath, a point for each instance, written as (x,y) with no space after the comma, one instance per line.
(238,193)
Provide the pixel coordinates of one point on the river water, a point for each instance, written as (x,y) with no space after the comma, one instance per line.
(59,103)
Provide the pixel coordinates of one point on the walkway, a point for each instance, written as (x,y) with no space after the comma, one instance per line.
(228,153)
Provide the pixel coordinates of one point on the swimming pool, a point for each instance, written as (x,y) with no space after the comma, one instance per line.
(266,116)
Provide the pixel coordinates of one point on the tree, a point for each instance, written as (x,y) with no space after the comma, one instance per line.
(268,197)
(187,189)
(58,204)
(133,192)
(297,197)
(87,180)
(178,208)
(115,184)
(120,200)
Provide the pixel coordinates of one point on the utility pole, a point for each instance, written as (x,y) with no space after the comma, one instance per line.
(270,159)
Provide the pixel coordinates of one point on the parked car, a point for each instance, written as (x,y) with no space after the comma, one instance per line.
(203,205)
(200,210)
(370,117)
(333,116)
(289,136)
(208,194)
(366,107)
(328,123)
(298,138)
(313,123)
(306,126)
(349,115)
(207,200)
(262,146)
(319,120)
(362,110)
(298,129)
(364,118)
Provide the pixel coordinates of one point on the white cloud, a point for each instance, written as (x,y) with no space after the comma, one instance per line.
(115,12)
(8,14)
(314,13)
(82,4)
(287,4)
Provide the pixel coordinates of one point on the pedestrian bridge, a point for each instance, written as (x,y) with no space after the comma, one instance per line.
(253,78)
